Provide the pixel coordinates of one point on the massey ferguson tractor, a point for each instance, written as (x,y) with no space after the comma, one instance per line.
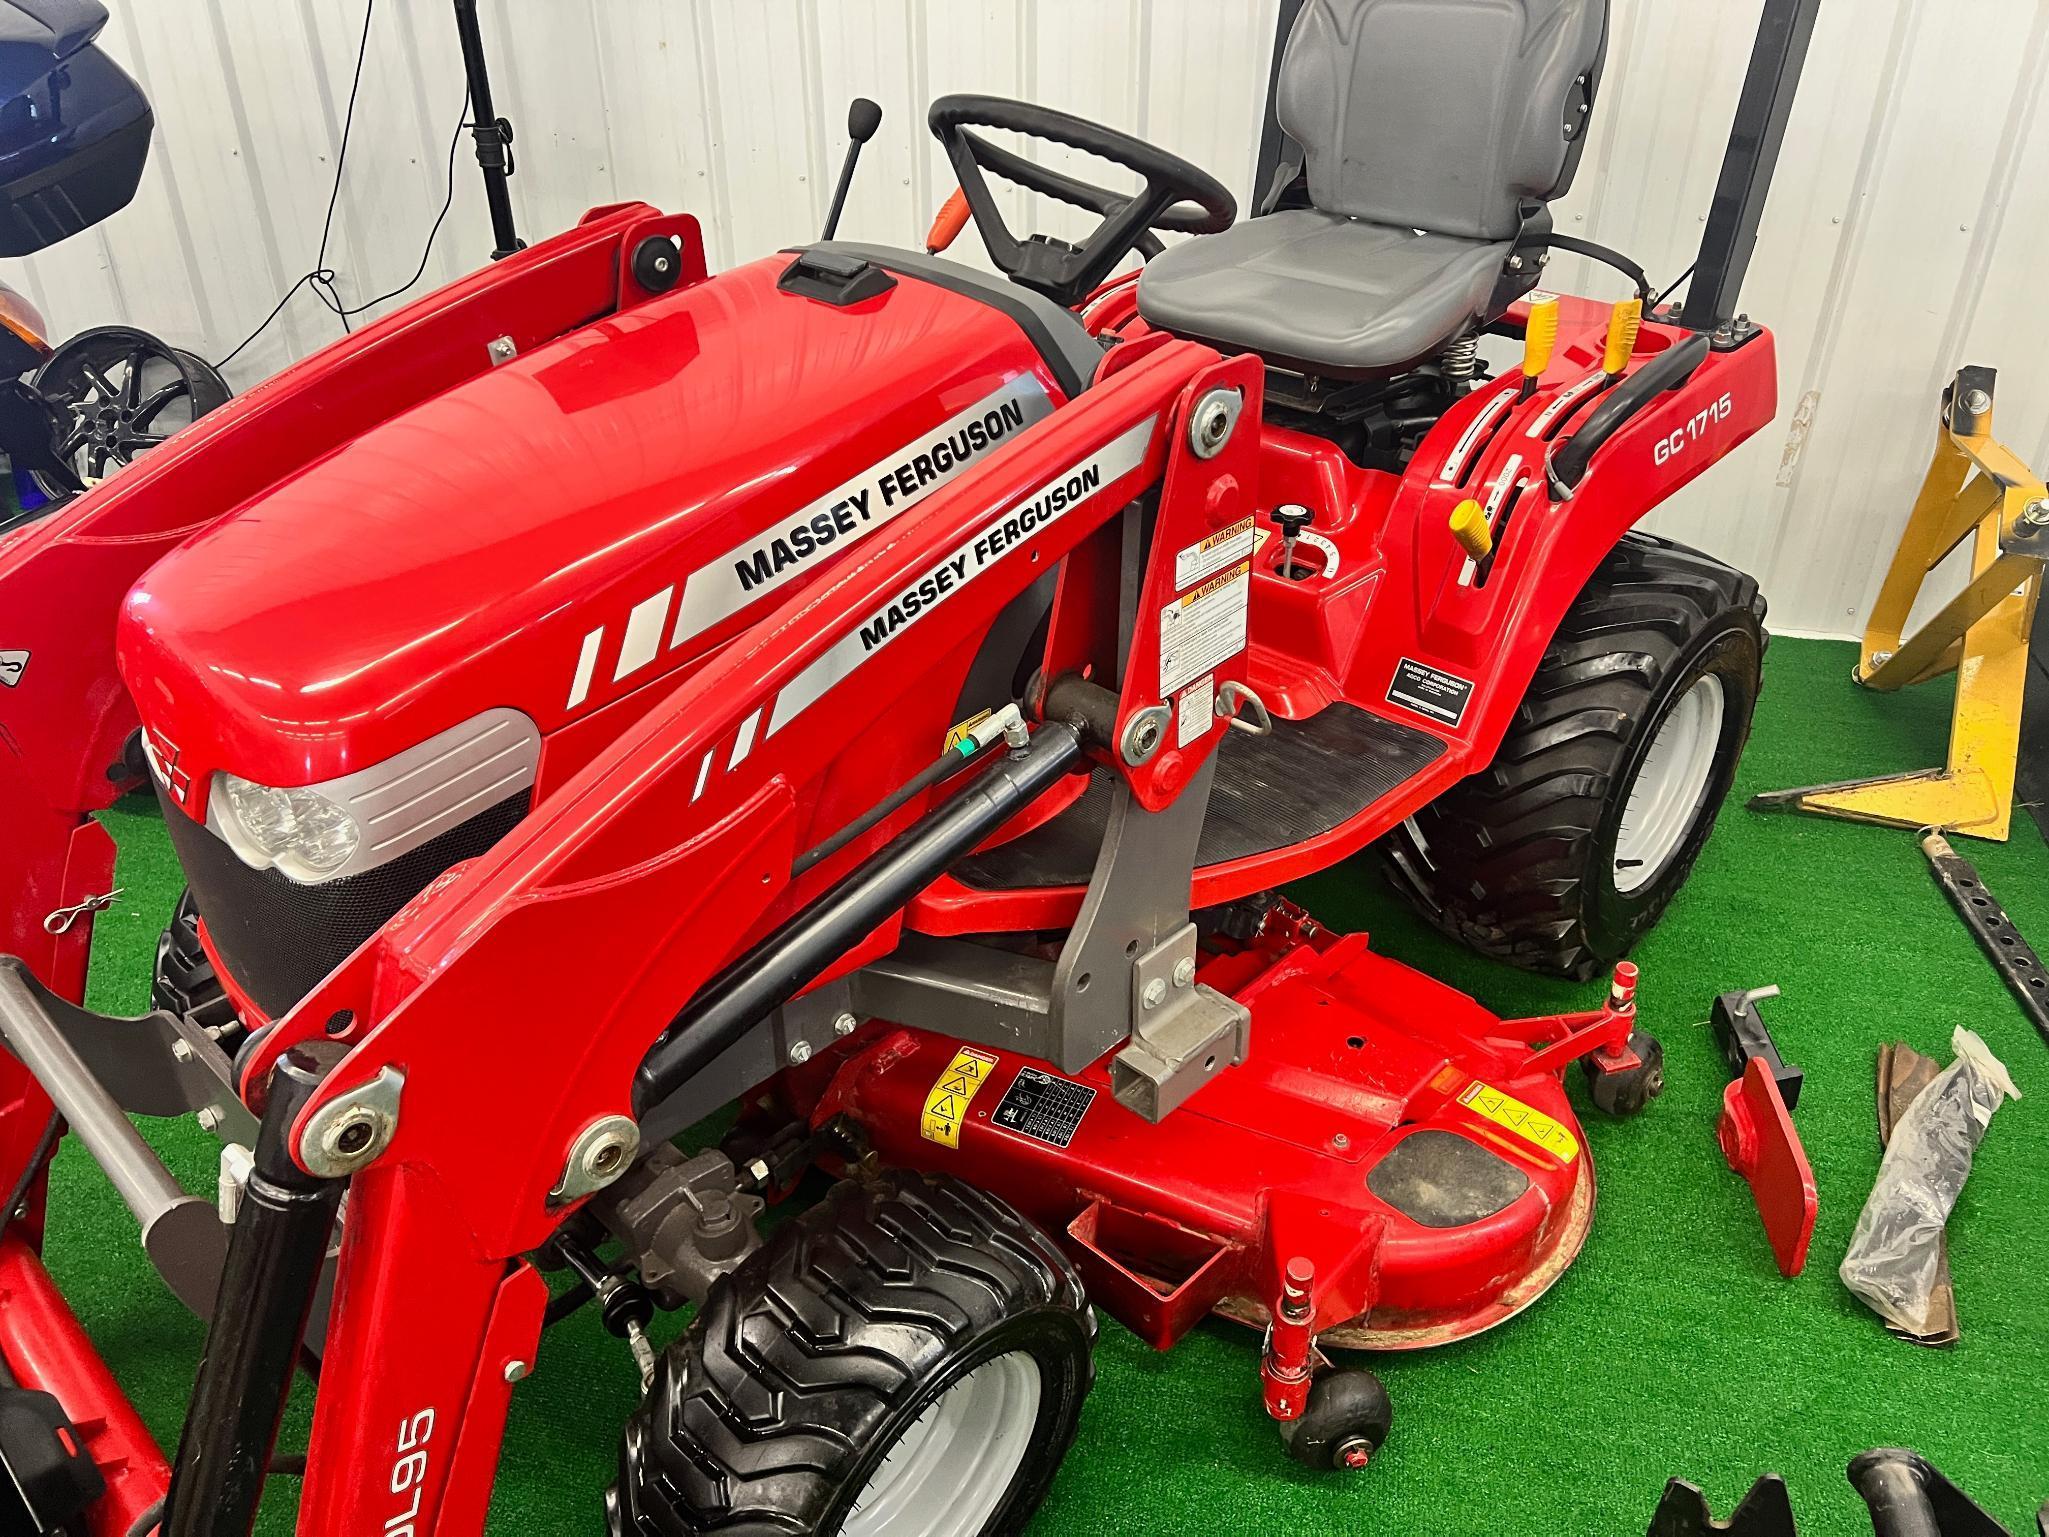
(887,697)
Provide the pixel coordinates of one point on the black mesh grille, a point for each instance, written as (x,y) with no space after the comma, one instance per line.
(278,938)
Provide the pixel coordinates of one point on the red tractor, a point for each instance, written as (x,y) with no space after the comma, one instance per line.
(884,696)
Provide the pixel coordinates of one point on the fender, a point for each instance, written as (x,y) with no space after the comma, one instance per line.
(1549,547)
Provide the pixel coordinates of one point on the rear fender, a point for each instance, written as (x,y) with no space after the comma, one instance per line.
(66,717)
(1489,624)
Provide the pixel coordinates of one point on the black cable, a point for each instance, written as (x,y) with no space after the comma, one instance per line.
(1673,286)
(949,763)
(147,1522)
(447,202)
(321,278)
(45,1146)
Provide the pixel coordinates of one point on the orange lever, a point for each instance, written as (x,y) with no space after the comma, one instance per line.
(953,218)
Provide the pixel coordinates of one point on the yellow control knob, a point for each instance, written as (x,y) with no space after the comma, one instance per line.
(1469,528)
(1540,339)
(1623,327)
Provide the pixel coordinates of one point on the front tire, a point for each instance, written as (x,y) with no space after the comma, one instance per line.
(908,1358)
(1563,852)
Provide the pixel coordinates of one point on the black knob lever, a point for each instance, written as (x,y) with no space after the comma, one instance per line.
(1291,518)
(863,118)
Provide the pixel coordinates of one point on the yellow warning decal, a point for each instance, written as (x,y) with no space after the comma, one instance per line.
(947,1105)
(1532,1125)
(958,734)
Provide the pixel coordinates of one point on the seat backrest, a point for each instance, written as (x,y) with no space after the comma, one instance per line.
(1441,115)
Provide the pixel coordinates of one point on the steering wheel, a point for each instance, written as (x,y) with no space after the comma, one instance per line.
(1176,196)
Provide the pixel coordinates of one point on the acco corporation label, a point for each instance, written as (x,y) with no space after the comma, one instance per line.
(795,543)
(987,545)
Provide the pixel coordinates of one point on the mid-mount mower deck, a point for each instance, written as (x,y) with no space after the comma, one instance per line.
(885,696)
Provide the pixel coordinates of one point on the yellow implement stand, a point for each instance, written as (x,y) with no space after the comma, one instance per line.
(1976,489)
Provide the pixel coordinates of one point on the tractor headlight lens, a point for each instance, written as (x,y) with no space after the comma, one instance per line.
(300,832)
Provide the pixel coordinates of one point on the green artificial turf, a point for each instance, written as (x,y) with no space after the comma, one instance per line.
(1672,1347)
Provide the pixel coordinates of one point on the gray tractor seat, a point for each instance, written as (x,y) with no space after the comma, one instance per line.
(1432,135)
(1324,292)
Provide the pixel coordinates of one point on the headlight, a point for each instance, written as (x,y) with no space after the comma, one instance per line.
(301,832)
(344,827)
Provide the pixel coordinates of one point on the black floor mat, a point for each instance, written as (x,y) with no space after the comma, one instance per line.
(1270,792)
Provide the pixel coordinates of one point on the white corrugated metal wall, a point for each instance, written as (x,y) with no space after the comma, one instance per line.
(1909,211)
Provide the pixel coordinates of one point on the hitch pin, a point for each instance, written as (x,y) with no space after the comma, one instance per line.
(61,920)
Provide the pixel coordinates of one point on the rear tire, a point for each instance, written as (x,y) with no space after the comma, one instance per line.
(1563,852)
(909,1358)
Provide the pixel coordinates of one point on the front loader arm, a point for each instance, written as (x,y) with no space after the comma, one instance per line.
(652,868)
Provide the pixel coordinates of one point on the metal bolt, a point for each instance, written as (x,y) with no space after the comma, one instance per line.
(2036,514)
(1355,1453)
(181,1050)
(1184,971)
(1155,992)
(353,1135)
(846,1024)
(800,1053)
(501,349)
(1880,658)
(1340,1142)
(1209,427)
(209,1118)
(1977,402)
(517,1371)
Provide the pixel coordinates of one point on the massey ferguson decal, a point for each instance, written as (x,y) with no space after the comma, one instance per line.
(812,534)
(991,543)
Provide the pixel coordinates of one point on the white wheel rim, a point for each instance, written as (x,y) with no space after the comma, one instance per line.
(1670,789)
(950,1469)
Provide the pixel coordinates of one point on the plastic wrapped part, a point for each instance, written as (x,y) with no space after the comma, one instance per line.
(1896,1249)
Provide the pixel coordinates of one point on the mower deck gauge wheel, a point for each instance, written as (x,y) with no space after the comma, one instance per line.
(1627,1091)
(1346,1420)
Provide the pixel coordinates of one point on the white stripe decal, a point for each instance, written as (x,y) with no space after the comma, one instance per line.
(1470,439)
(996,538)
(643,633)
(586,664)
(768,558)
(703,773)
(745,744)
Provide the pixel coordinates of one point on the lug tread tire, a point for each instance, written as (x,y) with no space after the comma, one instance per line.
(763,1410)
(1506,858)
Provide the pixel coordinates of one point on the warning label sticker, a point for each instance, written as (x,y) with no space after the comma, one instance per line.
(1224,548)
(947,1105)
(1532,1125)
(1431,691)
(1195,711)
(1205,628)
(1043,1107)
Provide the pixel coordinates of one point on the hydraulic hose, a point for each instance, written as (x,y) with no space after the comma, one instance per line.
(796,954)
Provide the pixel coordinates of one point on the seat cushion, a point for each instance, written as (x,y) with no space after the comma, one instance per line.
(1323,291)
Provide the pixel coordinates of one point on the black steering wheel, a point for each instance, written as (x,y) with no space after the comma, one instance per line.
(1176,196)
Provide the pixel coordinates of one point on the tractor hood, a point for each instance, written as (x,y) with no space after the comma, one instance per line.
(569,529)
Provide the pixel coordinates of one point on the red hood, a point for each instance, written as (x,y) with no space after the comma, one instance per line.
(529,538)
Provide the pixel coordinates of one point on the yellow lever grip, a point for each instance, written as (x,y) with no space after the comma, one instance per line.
(1469,528)
(1540,339)
(1623,327)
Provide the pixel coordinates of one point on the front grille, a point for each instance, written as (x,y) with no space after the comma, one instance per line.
(277,938)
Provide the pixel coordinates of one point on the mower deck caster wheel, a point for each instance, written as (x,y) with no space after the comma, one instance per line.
(1627,1091)
(1345,1422)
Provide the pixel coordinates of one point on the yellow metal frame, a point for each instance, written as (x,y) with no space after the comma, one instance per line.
(1976,489)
